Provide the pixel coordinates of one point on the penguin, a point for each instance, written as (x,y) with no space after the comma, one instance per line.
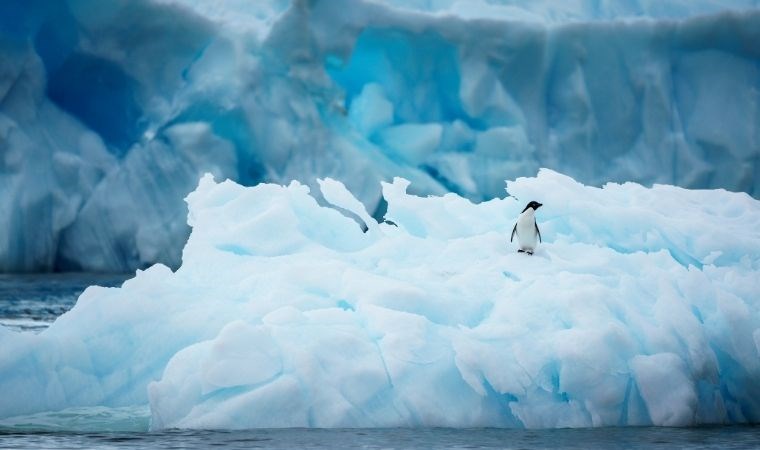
(526,229)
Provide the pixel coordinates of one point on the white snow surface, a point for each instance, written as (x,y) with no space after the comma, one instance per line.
(108,106)
(640,307)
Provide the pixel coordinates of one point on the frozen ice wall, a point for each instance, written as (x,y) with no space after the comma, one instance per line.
(640,307)
(114,106)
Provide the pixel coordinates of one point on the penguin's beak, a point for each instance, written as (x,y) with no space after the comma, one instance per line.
(538,205)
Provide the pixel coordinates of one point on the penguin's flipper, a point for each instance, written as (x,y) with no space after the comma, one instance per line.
(514,230)
(537,231)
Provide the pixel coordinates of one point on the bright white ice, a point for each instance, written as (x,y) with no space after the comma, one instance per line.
(640,307)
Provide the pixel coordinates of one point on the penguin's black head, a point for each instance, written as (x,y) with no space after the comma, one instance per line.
(534,205)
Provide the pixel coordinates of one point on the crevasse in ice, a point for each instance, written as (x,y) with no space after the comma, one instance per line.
(122,105)
(640,307)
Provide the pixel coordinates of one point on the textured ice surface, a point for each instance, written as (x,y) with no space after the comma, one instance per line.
(119,106)
(640,307)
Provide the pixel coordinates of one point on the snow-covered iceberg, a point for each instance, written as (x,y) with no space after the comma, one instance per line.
(107,106)
(640,307)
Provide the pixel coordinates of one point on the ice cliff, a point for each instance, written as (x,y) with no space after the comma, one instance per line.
(114,106)
(641,307)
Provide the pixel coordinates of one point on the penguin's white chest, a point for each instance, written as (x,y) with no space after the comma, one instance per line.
(527,237)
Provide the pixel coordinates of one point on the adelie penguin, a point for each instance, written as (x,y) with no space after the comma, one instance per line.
(526,229)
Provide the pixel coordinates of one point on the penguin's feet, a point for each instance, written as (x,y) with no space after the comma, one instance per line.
(525,251)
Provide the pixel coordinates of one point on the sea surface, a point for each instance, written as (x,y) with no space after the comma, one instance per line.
(428,438)
(30,303)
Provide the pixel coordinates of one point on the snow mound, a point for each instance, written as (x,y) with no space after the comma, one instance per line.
(641,307)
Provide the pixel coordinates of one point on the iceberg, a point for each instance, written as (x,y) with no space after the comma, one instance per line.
(119,106)
(294,308)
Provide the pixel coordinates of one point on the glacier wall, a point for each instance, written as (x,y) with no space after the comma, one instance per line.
(639,308)
(117,106)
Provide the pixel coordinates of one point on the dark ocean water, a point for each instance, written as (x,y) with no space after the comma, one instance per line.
(29,303)
(430,438)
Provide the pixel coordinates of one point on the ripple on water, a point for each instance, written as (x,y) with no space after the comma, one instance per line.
(439,438)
